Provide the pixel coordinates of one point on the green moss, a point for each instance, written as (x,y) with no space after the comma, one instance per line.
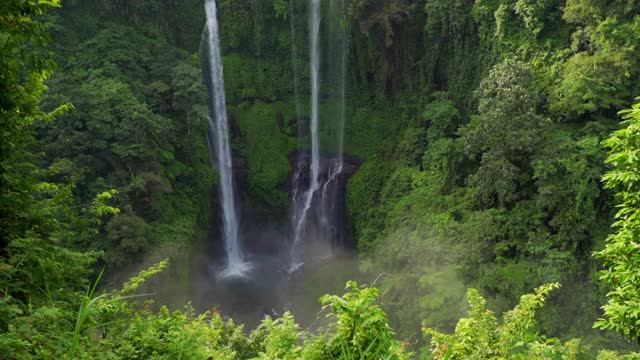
(371,126)
(363,193)
(239,77)
(266,147)
(249,77)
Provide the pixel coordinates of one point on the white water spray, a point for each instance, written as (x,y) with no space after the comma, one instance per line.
(337,41)
(219,135)
(300,216)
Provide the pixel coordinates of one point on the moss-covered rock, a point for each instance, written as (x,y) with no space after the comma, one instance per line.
(266,147)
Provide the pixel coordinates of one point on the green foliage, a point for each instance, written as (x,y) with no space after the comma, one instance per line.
(504,132)
(139,127)
(375,24)
(359,329)
(129,332)
(622,311)
(247,78)
(507,122)
(443,161)
(281,8)
(455,190)
(612,355)
(363,194)
(181,21)
(39,274)
(134,283)
(126,235)
(600,74)
(411,146)
(189,94)
(507,195)
(177,335)
(87,304)
(480,336)
(277,338)
(532,13)
(372,125)
(443,118)
(424,282)
(266,147)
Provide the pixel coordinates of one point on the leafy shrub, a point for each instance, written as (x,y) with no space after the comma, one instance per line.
(480,336)
(360,329)
(621,257)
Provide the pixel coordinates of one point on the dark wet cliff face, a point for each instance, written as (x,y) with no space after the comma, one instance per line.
(329,222)
(268,231)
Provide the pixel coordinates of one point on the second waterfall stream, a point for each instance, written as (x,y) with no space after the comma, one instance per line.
(313,213)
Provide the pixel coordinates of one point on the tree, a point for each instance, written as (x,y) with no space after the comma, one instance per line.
(505,132)
(38,273)
(601,74)
(35,217)
(621,254)
(189,93)
(22,75)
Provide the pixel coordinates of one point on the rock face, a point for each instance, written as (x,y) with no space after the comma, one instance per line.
(326,225)
(268,231)
(350,167)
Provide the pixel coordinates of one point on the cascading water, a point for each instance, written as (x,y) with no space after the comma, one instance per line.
(219,144)
(300,214)
(317,203)
(337,74)
(297,172)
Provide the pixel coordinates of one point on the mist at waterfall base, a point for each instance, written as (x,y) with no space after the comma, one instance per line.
(302,261)
(269,288)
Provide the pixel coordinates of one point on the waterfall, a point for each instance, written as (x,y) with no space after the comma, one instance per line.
(219,144)
(298,170)
(337,42)
(302,211)
(314,55)
(315,206)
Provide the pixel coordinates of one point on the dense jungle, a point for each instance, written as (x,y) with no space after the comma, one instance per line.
(200,179)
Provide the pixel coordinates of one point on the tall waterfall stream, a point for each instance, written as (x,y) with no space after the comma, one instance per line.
(219,140)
